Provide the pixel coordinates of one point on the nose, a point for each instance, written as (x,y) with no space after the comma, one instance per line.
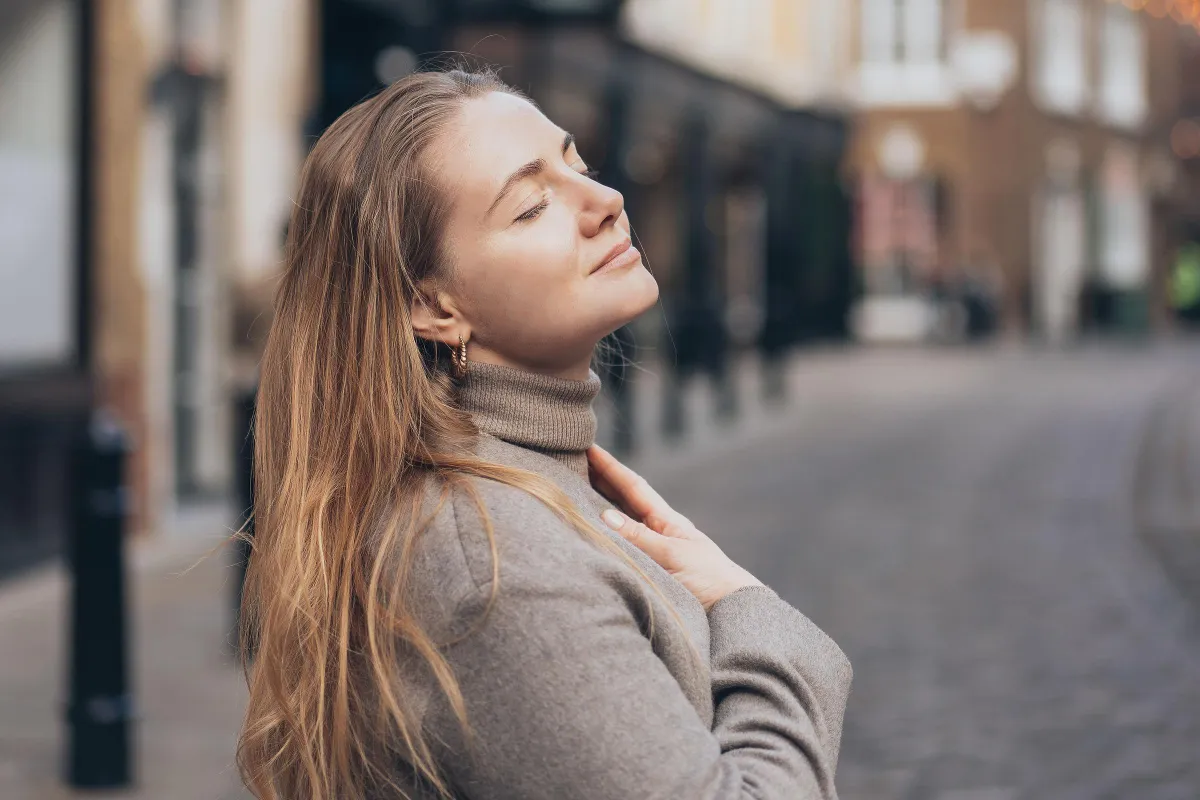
(602,208)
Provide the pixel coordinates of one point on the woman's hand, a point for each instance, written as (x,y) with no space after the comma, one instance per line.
(663,533)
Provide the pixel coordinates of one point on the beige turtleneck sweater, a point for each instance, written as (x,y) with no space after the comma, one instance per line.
(569,697)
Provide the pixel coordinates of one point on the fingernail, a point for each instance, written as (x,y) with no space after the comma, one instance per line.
(613,519)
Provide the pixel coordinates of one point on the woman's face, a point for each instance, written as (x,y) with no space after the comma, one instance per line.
(543,266)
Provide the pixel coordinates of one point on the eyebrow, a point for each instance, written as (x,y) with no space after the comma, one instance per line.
(534,167)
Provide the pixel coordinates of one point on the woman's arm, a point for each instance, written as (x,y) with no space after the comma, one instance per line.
(750,630)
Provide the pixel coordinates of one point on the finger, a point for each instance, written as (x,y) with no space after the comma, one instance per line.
(611,478)
(606,490)
(635,493)
(669,527)
(639,499)
(601,483)
(652,544)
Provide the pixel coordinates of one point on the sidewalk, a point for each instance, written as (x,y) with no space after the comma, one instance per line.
(189,691)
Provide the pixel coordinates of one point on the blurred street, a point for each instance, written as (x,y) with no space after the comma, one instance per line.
(962,526)
(961,522)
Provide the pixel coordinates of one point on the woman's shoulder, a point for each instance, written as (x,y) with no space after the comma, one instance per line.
(479,536)
(498,524)
(471,526)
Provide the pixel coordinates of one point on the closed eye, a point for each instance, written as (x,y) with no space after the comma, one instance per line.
(541,206)
(533,212)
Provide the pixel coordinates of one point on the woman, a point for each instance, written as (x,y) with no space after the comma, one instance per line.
(436,603)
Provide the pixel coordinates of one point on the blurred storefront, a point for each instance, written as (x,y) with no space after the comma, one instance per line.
(964,166)
(112,257)
(159,255)
(156,145)
(737,101)
(44,350)
(1014,161)
(1185,142)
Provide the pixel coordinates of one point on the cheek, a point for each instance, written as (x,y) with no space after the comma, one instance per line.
(541,258)
(550,245)
(524,274)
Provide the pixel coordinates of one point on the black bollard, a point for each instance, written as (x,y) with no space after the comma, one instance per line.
(100,706)
(244,494)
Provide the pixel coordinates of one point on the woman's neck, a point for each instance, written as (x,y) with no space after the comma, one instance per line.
(577,370)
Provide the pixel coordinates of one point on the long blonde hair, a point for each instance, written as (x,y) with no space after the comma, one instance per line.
(355,420)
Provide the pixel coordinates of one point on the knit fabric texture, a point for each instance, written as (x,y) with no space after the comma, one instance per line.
(548,415)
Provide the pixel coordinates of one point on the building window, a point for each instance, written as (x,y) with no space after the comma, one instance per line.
(1124,221)
(903,31)
(904,46)
(1061,74)
(1122,75)
(879,31)
(38,85)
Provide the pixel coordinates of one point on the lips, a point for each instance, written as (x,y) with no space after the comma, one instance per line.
(613,254)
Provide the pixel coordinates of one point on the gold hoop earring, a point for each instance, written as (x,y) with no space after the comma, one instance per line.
(458,361)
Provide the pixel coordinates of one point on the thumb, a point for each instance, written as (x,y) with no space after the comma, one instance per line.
(635,533)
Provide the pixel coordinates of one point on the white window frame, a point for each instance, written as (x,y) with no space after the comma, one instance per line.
(877,31)
(1122,92)
(1124,222)
(38,186)
(889,72)
(1059,73)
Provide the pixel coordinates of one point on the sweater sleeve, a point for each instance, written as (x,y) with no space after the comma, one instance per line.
(567,698)
(780,687)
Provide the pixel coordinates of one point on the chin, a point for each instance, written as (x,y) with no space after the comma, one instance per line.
(640,295)
(615,303)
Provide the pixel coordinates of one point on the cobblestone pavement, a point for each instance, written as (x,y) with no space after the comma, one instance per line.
(962,525)
(960,521)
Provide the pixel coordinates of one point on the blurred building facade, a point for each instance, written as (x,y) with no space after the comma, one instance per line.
(147,175)
(157,154)
(159,258)
(783,217)
(795,50)
(1185,141)
(44,349)
(1020,150)
(1026,151)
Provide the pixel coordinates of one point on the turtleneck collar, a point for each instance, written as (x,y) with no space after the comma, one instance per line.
(550,415)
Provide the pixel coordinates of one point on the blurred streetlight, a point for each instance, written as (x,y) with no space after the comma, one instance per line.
(985,65)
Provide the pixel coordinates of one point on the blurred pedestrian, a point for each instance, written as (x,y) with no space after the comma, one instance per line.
(442,598)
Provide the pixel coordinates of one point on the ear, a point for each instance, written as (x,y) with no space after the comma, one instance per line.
(435,316)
